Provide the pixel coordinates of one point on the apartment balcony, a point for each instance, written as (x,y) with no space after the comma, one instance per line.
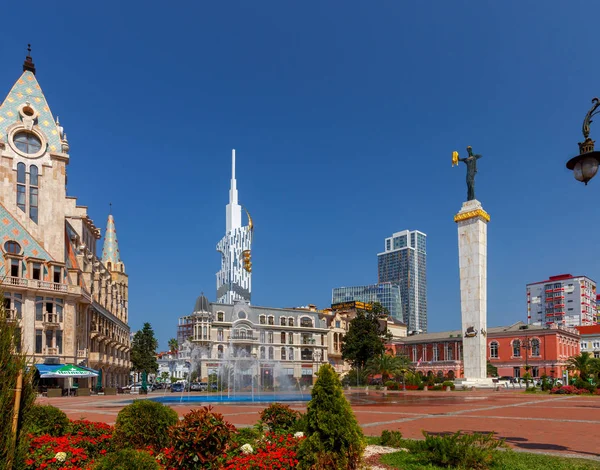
(51,320)
(51,351)
(308,340)
(82,353)
(12,316)
(97,357)
(243,338)
(44,286)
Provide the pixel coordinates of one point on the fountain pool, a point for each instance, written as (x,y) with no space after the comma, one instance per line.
(237,398)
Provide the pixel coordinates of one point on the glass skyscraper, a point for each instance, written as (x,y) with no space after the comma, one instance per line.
(387,294)
(404,262)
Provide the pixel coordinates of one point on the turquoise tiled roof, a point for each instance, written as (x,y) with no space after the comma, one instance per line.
(10,229)
(110,251)
(28,89)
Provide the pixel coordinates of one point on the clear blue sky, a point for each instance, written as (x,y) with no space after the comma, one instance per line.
(344,115)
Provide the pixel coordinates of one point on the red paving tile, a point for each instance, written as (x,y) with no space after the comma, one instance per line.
(545,423)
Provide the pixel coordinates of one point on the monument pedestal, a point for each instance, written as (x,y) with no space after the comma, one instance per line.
(472,223)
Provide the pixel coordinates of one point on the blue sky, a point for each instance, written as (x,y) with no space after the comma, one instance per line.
(344,116)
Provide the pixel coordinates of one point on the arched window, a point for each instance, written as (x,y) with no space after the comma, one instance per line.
(219,316)
(271,320)
(290,338)
(21,186)
(306,322)
(516,348)
(282,321)
(220,334)
(13,247)
(283,354)
(262,352)
(33,193)
(283,337)
(290,321)
(494,350)
(262,319)
(291,354)
(220,351)
(535,347)
(271,352)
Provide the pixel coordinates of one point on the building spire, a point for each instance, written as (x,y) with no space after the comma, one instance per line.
(110,252)
(28,65)
(233,209)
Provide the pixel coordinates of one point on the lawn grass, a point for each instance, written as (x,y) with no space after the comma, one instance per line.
(508,460)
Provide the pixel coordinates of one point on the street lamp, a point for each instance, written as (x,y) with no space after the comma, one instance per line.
(585,165)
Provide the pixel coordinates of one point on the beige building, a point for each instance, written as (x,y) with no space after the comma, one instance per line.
(67,301)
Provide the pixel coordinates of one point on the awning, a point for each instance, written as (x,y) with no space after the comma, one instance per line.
(65,371)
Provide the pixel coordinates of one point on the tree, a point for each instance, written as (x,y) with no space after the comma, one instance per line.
(13,447)
(366,337)
(386,365)
(585,364)
(492,370)
(173,345)
(164,376)
(143,350)
(334,438)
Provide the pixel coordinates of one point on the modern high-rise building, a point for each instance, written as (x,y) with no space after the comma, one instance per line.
(404,262)
(234,280)
(564,300)
(387,294)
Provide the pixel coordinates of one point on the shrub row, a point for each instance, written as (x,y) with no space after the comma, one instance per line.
(572,390)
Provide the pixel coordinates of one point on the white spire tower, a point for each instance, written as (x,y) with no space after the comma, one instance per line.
(233,209)
(234,280)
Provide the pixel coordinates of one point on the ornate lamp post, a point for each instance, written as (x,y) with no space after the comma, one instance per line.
(585,165)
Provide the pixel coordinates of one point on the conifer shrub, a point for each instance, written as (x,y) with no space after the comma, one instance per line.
(143,424)
(391,438)
(448,383)
(200,441)
(334,440)
(279,418)
(460,450)
(12,363)
(127,459)
(47,419)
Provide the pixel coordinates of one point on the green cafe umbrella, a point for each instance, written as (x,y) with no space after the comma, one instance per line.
(69,371)
(144,381)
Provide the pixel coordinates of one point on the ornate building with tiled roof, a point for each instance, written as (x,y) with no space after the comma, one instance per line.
(66,301)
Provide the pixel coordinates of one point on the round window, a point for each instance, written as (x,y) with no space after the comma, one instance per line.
(27,142)
(13,247)
(242,315)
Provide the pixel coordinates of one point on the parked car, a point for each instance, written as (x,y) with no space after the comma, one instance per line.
(198,386)
(177,387)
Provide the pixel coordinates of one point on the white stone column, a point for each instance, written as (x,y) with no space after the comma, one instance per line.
(472,223)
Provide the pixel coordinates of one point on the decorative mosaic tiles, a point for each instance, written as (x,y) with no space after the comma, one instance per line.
(10,229)
(27,88)
(110,252)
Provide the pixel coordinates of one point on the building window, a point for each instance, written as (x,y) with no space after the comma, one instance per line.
(517,372)
(262,319)
(436,353)
(516,349)
(449,352)
(290,321)
(57,274)
(270,352)
(33,193)
(27,142)
(220,334)
(596,344)
(290,338)
(535,371)
(220,351)
(414,354)
(219,316)
(535,347)
(38,341)
(59,341)
(583,345)
(597,354)
(271,320)
(21,186)
(282,321)
(12,247)
(262,352)
(283,337)
(283,354)
(15,268)
(270,337)
(36,271)
(306,322)
(262,336)
(337,324)
(291,354)
(494,350)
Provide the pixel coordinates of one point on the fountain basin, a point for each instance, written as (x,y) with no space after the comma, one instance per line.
(270,398)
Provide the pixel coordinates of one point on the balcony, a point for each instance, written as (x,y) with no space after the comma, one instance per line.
(308,340)
(243,338)
(51,351)
(12,315)
(46,286)
(51,320)
(97,357)
(81,353)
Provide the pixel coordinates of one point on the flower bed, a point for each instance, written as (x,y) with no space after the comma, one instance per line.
(273,452)
(571,390)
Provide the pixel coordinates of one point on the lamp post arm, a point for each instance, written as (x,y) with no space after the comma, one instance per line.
(588,117)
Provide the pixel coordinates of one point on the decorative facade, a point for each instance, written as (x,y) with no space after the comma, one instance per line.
(283,347)
(67,302)
(509,348)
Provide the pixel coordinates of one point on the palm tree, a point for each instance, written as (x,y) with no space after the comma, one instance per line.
(585,364)
(386,365)
(173,345)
